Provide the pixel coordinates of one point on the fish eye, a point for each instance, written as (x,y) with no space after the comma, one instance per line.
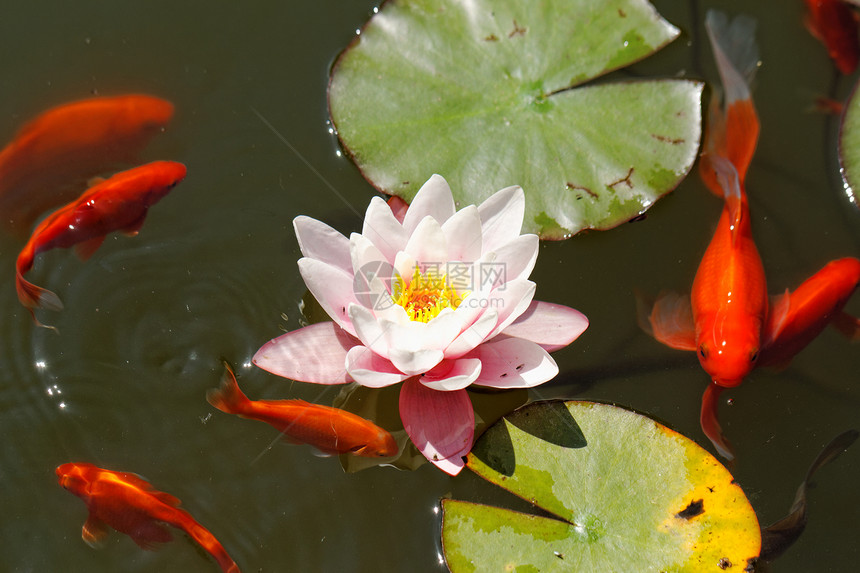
(754,355)
(703,352)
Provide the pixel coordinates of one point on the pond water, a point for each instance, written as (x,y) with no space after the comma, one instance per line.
(212,276)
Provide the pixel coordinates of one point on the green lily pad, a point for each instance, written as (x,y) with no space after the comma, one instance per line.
(620,492)
(849,145)
(489,93)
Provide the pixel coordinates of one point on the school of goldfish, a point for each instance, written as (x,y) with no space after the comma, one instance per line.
(728,319)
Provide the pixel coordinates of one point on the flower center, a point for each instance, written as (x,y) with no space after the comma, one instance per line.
(426,296)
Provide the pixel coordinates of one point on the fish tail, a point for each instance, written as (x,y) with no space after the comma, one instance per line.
(733,124)
(32,296)
(229,397)
(206,540)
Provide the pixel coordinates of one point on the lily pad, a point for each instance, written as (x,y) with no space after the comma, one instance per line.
(619,492)
(849,145)
(490,93)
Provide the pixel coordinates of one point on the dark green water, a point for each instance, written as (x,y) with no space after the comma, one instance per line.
(148,319)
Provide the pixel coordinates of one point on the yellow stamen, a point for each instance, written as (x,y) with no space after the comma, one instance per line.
(426,296)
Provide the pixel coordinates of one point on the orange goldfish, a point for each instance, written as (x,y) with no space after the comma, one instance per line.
(729,296)
(116,204)
(52,155)
(728,319)
(834,23)
(129,504)
(330,430)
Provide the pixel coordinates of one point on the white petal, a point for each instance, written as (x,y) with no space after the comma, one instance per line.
(373,273)
(383,229)
(512,261)
(369,329)
(473,335)
(412,362)
(451,375)
(513,363)
(428,245)
(332,288)
(433,199)
(463,234)
(319,241)
(371,370)
(510,302)
(502,217)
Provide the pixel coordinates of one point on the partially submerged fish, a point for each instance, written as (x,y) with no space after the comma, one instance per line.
(48,161)
(116,204)
(330,430)
(129,504)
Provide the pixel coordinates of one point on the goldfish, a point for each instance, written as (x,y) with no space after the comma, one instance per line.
(834,24)
(129,504)
(51,156)
(119,203)
(330,430)
(728,319)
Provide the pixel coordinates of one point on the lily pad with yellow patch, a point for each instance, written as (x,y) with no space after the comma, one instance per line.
(615,491)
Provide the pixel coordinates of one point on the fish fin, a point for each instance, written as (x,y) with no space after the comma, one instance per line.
(727,178)
(94,532)
(133,229)
(150,534)
(86,249)
(229,397)
(93,181)
(780,306)
(670,321)
(166,498)
(710,422)
(32,296)
(847,325)
(736,54)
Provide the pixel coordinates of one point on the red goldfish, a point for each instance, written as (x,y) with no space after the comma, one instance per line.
(728,319)
(130,504)
(116,204)
(834,23)
(52,155)
(330,430)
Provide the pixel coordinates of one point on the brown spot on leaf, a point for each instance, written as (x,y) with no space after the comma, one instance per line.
(695,508)
(491,38)
(625,180)
(667,139)
(572,186)
(622,13)
(517,31)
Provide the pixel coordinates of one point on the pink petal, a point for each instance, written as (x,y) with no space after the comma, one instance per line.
(502,217)
(383,229)
(463,235)
(315,353)
(553,326)
(433,199)
(371,370)
(450,375)
(319,241)
(440,424)
(398,207)
(333,289)
(513,363)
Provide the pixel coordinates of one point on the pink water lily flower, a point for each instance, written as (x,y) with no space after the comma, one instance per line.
(437,301)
